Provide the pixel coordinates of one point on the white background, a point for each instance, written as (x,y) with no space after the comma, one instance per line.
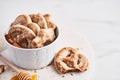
(98,20)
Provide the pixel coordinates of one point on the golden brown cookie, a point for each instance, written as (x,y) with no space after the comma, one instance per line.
(69,59)
(21,35)
(34,27)
(49,21)
(39,19)
(22,20)
(37,42)
(47,35)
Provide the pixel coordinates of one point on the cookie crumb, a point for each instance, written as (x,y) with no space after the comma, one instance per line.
(71,74)
(63,76)
(35,71)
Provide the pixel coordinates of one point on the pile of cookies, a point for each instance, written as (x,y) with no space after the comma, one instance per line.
(32,31)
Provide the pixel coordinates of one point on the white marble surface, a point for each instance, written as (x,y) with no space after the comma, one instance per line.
(98,20)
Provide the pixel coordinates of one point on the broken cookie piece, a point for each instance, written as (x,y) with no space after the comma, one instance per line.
(2,68)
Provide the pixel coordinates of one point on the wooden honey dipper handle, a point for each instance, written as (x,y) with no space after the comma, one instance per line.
(9,64)
(21,74)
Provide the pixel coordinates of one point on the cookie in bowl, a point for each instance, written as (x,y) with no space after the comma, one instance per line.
(30,39)
(32,31)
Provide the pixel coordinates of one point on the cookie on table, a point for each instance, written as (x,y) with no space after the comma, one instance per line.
(69,59)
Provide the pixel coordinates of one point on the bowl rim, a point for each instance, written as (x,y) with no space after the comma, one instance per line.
(31,49)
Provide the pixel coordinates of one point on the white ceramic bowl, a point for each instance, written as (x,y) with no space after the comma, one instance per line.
(33,58)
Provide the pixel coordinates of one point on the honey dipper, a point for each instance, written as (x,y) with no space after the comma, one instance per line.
(22,75)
